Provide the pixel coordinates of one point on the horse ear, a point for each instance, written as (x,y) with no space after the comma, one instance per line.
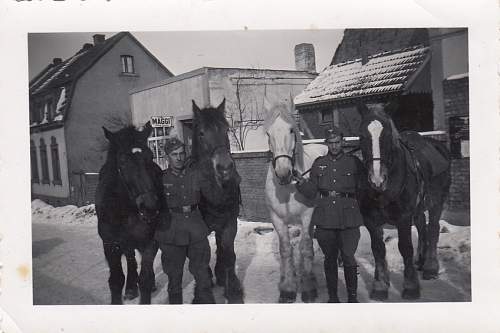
(196,109)
(362,109)
(107,134)
(222,106)
(147,129)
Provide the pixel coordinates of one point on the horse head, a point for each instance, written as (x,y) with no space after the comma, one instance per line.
(210,140)
(378,140)
(135,169)
(284,141)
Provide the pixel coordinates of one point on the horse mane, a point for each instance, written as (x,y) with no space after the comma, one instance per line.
(282,110)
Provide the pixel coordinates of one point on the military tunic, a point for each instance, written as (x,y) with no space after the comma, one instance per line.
(186,237)
(335,179)
(182,192)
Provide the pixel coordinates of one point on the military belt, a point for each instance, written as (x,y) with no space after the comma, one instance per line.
(184,209)
(335,194)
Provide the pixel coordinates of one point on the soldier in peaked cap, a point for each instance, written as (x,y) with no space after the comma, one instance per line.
(337,216)
(187,235)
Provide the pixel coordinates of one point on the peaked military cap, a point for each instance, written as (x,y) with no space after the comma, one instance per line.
(172,144)
(332,132)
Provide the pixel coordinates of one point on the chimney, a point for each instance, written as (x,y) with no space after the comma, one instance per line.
(87,46)
(98,39)
(56,61)
(304,58)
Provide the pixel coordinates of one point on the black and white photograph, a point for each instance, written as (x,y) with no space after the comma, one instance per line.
(206,172)
(394,101)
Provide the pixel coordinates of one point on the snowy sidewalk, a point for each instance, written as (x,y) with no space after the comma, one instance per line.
(69,265)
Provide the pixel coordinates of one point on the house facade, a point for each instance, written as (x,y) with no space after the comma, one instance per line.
(70,101)
(242,88)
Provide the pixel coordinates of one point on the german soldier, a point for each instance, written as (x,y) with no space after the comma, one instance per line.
(187,234)
(337,216)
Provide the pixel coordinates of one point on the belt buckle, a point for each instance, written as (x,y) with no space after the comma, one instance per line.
(186,209)
(333,193)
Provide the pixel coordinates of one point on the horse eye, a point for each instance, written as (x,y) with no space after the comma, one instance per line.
(201,134)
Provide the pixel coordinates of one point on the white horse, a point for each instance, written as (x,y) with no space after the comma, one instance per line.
(287,207)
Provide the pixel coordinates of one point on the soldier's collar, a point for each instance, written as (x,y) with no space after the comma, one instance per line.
(176,172)
(338,156)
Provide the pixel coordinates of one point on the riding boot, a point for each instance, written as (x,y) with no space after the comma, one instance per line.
(203,295)
(331,274)
(175,298)
(351,281)
(232,289)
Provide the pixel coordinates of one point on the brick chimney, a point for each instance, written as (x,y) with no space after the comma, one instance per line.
(98,39)
(305,60)
(56,61)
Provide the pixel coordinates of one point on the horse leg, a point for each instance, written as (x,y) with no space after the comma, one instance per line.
(131,290)
(220,277)
(381,281)
(308,280)
(232,286)
(147,275)
(288,284)
(411,286)
(113,254)
(431,265)
(421,225)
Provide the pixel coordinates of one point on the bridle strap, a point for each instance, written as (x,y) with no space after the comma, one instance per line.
(275,158)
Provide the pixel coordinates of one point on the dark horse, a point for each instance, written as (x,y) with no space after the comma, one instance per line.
(407,174)
(129,204)
(211,154)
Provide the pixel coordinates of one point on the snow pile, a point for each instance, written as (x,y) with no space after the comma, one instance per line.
(453,245)
(42,212)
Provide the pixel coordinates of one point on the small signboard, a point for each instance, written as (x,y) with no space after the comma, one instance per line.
(162,121)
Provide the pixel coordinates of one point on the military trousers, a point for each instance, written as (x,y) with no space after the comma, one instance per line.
(173,258)
(331,241)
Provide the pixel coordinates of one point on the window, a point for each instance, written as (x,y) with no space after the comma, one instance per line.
(327,115)
(45,162)
(127,64)
(50,112)
(56,170)
(34,163)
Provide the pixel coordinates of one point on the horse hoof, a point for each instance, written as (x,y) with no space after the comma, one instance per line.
(131,294)
(411,293)
(287,297)
(379,295)
(429,275)
(235,299)
(116,301)
(309,296)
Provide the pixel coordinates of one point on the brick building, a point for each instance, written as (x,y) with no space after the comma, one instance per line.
(70,100)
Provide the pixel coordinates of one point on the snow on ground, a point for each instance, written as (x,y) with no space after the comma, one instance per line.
(42,212)
(68,256)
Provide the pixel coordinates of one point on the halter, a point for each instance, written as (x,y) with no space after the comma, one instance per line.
(131,195)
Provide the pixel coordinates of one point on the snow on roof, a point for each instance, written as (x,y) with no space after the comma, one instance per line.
(457,76)
(383,73)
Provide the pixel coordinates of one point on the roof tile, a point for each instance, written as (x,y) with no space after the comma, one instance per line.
(384,72)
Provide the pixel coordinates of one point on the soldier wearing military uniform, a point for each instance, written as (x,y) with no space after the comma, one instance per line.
(186,236)
(337,216)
